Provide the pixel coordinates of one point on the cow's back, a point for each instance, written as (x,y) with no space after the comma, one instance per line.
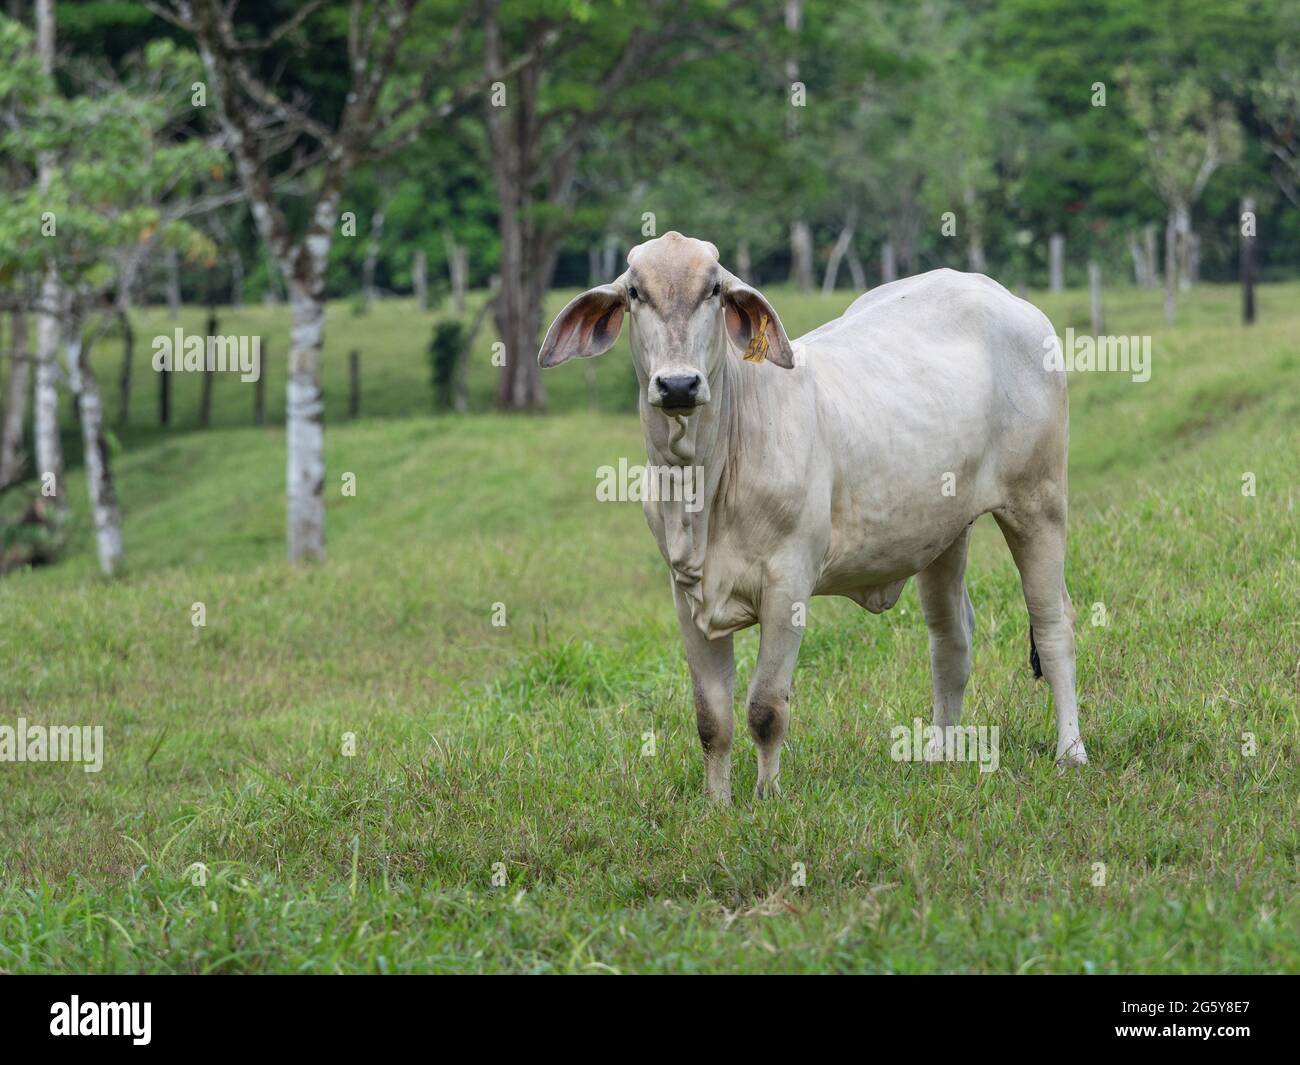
(931,397)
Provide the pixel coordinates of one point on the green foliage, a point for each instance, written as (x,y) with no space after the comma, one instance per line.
(444,354)
(112,173)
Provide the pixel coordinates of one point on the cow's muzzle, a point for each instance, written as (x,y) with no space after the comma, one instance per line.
(678,392)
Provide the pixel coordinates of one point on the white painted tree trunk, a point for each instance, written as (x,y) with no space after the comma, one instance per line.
(856,271)
(1171,266)
(1140,267)
(744,263)
(45,416)
(457,271)
(1056,262)
(105,516)
(420,278)
(12,458)
(305,426)
(371,262)
(609,259)
(801,256)
(45,404)
(842,245)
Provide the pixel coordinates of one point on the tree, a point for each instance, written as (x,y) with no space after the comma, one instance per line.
(601,70)
(393,94)
(97,156)
(1187,135)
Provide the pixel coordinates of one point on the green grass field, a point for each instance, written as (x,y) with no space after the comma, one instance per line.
(518,749)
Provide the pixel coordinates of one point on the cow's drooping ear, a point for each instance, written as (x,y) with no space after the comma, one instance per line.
(588,326)
(753,326)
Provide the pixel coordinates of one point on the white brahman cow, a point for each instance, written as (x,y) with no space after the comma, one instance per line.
(841,464)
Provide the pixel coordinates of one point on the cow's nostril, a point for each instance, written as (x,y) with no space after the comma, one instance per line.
(679,390)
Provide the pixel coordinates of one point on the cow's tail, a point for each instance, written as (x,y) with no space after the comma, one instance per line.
(1034,664)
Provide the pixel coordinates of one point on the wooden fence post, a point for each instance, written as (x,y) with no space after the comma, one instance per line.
(209,349)
(259,391)
(1094,294)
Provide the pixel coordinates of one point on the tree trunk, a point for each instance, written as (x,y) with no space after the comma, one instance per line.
(609,260)
(856,272)
(420,279)
(49,448)
(105,516)
(975,239)
(526,261)
(1094,299)
(1150,248)
(457,272)
(744,262)
(1140,266)
(1183,235)
(128,363)
(1171,265)
(12,458)
(842,245)
(801,256)
(888,264)
(45,412)
(1247,265)
(371,261)
(1056,263)
(305,416)
(173,285)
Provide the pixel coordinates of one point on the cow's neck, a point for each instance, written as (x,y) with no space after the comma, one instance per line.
(704,441)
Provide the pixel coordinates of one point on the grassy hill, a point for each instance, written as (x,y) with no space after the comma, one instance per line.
(517,750)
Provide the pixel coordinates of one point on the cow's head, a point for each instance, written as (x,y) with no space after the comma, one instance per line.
(687,315)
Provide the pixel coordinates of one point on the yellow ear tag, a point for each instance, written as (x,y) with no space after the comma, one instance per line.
(757,350)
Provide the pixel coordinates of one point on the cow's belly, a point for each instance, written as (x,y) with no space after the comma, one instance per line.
(877,557)
(881,537)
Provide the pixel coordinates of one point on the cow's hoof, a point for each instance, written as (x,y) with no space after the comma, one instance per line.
(1072,756)
(719,798)
(770,790)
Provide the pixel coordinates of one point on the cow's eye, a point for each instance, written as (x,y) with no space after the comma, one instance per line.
(717,289)
(632,292)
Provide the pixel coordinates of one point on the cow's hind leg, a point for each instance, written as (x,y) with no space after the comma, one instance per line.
(1037,543)
(951,620)
(713,678)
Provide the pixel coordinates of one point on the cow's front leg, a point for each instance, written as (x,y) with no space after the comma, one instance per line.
(713,677)
(782,619)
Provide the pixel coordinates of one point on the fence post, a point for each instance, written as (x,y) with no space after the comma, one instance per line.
(1094,294)
(209,350)
(259,391)
(165,396)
